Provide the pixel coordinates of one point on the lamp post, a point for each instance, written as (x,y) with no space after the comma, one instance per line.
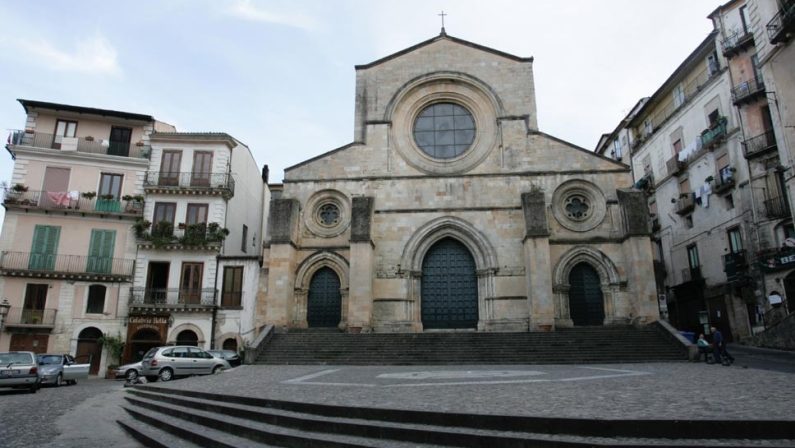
(4,307)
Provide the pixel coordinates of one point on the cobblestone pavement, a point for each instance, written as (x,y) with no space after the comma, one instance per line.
(69,416)
(681,390)
(762,358)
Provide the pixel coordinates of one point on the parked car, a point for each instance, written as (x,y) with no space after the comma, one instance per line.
(61,369)
(167,363)
(130,372)
(19,370)
(230,356)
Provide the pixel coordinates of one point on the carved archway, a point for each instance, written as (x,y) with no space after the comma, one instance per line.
(609,279)
(306,271)
(480,248)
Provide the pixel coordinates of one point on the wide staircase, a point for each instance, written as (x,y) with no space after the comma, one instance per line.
(160,417)
(578,345)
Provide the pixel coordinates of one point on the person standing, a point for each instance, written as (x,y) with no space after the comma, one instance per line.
(719,348)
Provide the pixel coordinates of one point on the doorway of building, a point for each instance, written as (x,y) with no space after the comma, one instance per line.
(88,348)
(324,303)
(449,287)
(143,340)
(188,337)
(586,304)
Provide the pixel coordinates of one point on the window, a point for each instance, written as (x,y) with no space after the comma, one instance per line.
(713,66)
(163,218)
(648,127)
(63,128)
(647,164)
(197,214)
(110,185)
(684,185)
(444,130)
(677,146)
(735,240)
(202,167)
(692,256)
(689,221)
(244,238)
(679,95)
(329,214)
(169,168)
(233,286)
(713,118)
(724,170)
(617,149)
(96,299)
(729,202)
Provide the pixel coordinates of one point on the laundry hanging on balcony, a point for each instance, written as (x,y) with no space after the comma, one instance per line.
(689,150)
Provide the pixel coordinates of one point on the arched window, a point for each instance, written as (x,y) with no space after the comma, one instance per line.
(96,299)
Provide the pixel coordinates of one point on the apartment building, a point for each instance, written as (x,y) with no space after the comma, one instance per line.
(67,255)
(199,244)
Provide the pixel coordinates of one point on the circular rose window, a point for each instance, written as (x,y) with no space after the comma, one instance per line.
(328,214)
(577,207)
(444,130)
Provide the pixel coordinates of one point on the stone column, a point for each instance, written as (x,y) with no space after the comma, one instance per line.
(362,266)
(283,229)
(538,268)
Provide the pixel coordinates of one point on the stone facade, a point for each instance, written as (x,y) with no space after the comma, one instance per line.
(526,206)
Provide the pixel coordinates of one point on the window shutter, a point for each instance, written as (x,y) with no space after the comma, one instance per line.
(44,247)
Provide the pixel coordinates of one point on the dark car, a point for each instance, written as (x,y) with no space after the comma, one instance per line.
(229,355)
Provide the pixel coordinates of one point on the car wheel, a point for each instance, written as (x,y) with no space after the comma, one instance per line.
(131,375)
(59,380)
(166,374)
(216,369)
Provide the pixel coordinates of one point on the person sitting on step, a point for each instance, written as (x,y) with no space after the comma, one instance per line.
(704,348)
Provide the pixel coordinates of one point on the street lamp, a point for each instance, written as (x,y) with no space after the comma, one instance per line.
(4,307)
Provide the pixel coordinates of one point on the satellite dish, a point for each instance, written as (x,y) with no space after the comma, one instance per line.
(790,242)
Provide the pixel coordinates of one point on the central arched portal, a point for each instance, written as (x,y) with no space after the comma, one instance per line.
(586,305)
(324,304)
(449,288)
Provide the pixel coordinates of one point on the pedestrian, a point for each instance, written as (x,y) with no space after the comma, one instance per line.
(703,348)
(719,348)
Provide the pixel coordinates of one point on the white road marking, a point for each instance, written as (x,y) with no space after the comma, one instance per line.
(311,376)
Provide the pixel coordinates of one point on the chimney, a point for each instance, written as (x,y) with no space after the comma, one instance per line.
(265,173)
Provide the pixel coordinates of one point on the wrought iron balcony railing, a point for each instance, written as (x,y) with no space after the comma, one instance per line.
(25,317)
(223,183)
(72,201)
(676,166)
(777,207)
(735,42)
(747,90)
(172,297)
(685,204)
(782,25)
(734,264)
(80,144)
(691,274)
(27,264)
(715,135)
(760,144)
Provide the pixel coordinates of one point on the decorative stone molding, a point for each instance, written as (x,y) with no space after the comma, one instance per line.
(449,87)
(535,214)
(303,277)
(172,337)
(318,203)
(579,205)
(361,219)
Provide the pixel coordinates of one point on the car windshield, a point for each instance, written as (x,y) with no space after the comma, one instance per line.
(50,359)
(150,353)
(7,359)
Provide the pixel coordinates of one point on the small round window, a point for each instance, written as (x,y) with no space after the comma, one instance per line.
(444,130)
(328,214)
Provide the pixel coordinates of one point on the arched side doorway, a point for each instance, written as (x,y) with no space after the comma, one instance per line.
(324,302)
(88,348)
(449,288)
(142,341)
(188,337)
(586,303)
(230,344)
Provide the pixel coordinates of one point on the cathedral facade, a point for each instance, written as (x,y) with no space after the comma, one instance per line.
(451,210)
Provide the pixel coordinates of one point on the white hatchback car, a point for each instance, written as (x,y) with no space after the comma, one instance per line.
(166,363)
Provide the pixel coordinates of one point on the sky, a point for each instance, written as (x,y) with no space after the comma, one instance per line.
(279,75)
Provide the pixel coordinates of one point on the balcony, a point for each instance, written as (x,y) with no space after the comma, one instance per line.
(89,145)
(734,265)
(737,42)
(691,275)
(714,136)
(685,204)
(760,144)
(30,318)
(676,166)
(172,299)
(67,267)
(213,184)
(72,203)
(747,91)
(776,208)
(724,182)
(164,236)
(782,25)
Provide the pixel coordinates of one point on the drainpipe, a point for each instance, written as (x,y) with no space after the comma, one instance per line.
(215,308)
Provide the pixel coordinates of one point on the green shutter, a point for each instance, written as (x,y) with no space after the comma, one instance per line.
(100,251)
(44,248)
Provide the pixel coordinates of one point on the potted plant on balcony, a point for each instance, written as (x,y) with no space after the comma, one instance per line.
(216,233)
(89,195)
(115,347)
(140,227)
(134,203)
(89,138)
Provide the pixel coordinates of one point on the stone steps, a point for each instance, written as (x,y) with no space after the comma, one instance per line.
(577,345)
(170,417)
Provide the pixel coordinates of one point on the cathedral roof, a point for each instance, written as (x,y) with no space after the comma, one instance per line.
(444,36)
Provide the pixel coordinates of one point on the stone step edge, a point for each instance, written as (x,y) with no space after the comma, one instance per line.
(645,428)
(152,437)
(183,431)
(425,434)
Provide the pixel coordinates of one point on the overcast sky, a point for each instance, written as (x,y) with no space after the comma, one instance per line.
(278,75)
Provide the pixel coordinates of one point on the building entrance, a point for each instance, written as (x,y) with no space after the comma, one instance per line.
(449,287)
(586,305)
(324,303)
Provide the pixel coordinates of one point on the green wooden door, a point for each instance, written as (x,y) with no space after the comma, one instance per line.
(100,252)
(44,247)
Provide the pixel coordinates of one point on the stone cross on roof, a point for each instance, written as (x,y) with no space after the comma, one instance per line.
(442,16)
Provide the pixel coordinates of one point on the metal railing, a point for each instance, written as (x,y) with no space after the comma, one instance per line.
(190,180)
(735,41)
(715,134)
(86,144)
(759,144)
(65,200)
(734,264)
(691,274)
(26,316)
(782,23)
(172,297)
(66,264)
(675,166)
(685,204)
(747,89)
(777,207)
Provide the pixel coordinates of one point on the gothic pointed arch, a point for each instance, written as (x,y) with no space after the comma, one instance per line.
(449,227)
(320,263)
(609,280)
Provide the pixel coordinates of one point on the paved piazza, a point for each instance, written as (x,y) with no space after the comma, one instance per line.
(655,390)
